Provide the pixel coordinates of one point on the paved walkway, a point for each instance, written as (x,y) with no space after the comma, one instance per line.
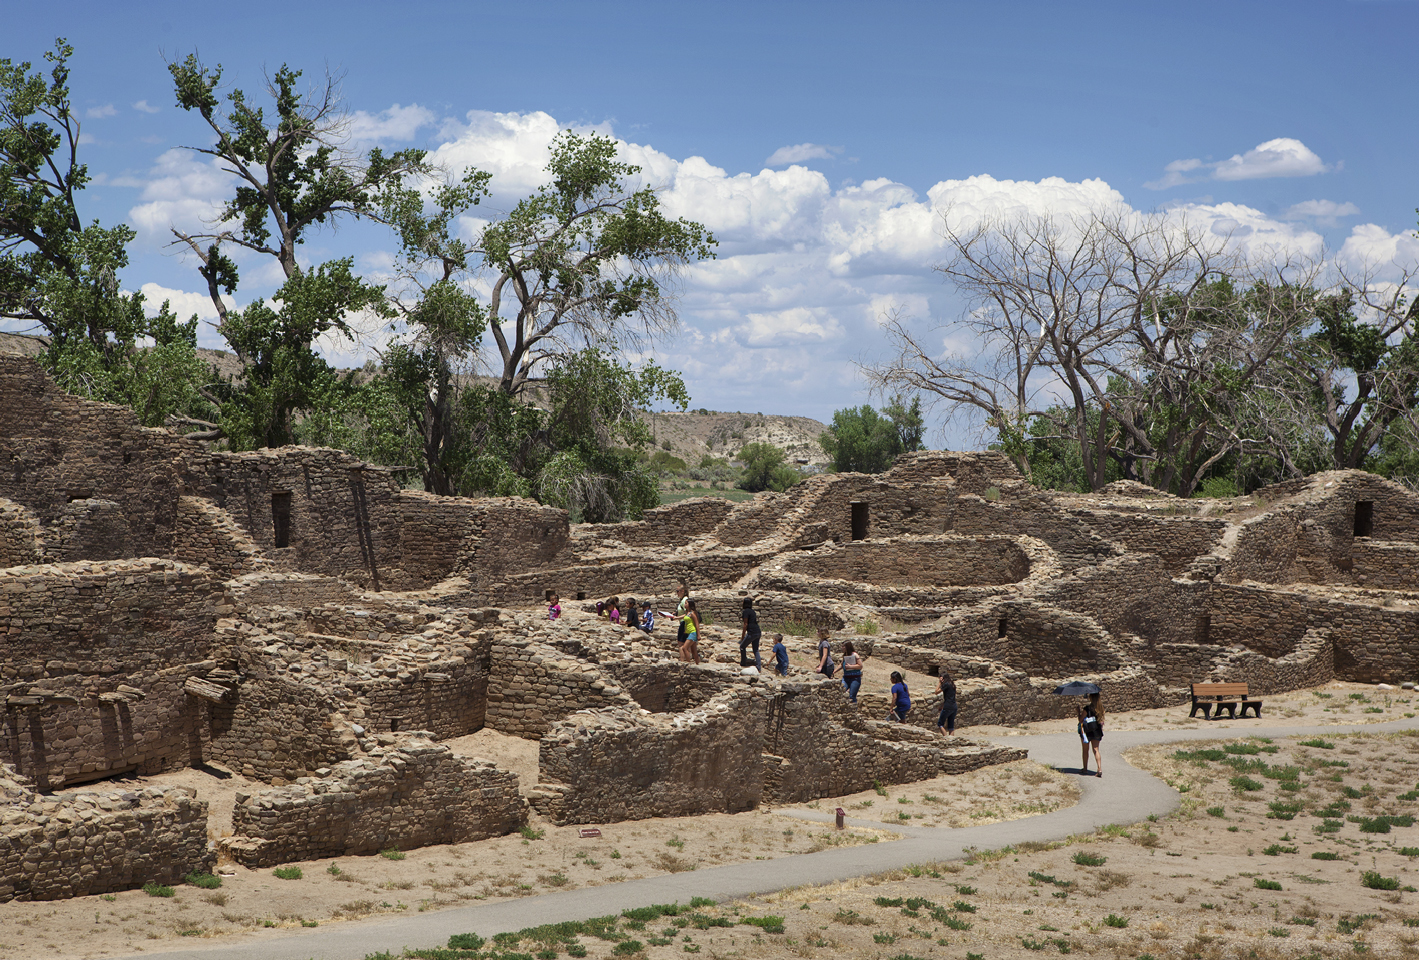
(1124,795)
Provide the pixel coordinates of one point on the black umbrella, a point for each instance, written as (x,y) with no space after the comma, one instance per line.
(1077,688)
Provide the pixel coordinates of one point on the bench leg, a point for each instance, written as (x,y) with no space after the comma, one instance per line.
(1231,709)
(1254,706)
(1206,709)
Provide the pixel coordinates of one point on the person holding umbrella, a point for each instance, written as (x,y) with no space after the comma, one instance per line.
(1091,720)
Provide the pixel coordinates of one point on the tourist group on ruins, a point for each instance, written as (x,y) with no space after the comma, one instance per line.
(637,616)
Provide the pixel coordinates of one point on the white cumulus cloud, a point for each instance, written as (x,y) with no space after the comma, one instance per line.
(98,113)
(1282,157)
(1325,212)
(184,189)
(396,123)
(801,153)
(144,106)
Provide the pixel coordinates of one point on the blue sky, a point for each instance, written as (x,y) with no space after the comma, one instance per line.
(818,140)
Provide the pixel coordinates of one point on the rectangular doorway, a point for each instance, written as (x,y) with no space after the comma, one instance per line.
(1364,518)
(859,519)
(281,518)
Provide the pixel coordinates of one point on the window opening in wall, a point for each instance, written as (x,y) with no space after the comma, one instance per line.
(281,518)
(859,519)
(1204,628)
(1364,517)
(1000,629)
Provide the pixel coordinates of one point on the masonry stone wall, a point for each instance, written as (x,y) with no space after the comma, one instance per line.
(56,449)
(970,472)
(532,685)
(619,764)
(672,525)
(53,848)
(1310,664)
(1134,594)
(96,658)
(809,753)
(1385,566)
(409,792)
(1178,540)
(918,561)
(207,535)
(21,537)
(1374,643)
(1022,511)
(628,578)
(512,535)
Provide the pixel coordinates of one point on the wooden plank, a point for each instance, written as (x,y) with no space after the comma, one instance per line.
(198,687)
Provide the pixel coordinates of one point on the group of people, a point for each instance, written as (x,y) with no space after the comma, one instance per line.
(901,705)
(1091,714)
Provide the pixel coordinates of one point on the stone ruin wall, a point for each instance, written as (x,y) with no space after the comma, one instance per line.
(21,537)
(97,655)
(408,792)
(91,843)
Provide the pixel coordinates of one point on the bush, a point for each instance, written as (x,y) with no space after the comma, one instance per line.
(769,924)
(1325,855)
(1266,884)
(466,941)
(206,881)
(287,873)
(1245,784)
(1373,880)
(158,890)
(1114,920)
(627,947)
(392,854)
(528,833)
(766,468)
(1085,859)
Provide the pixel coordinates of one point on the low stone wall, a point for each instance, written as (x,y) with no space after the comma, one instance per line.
(410,792)
(1177,539)
(941,561)
(608,765)
(633,578)
(531,686)
(1385,566)
(809,754)
(53,848)
(670,526)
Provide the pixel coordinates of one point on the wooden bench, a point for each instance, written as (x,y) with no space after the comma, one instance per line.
(1222,696)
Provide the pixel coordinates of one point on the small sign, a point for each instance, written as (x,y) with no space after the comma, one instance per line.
(589,832)
(840,814)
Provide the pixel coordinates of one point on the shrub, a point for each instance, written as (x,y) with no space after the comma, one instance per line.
(1276,849)
(1318,743)
(158,890)
(1325,855)
(1266,884)
(287,873)
(392,854)
(769,924)
(206,881)
(1241,783)
(1114,920)
(1348,925)
(528,833)
(1409,851)
(465,941)
(1085,859)
(1217,812)
(627,947)
(1373,880)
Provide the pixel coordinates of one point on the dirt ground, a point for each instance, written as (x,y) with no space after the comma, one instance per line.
(1275,853)
(1183,884)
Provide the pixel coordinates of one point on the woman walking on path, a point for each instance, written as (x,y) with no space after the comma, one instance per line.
(825,654)
(1091,731)
(901,699)
(946,686)
(852,671)
(750,635)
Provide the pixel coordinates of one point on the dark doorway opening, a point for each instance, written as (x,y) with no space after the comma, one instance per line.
(1000,629)
(1364,518)
(281,518)
(1204,628)
(859,519)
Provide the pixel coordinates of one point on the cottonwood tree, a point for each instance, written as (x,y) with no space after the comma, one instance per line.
(584,261)
(292,175)
(61,274)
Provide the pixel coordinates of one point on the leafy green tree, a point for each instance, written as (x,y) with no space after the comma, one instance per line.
(291,176)
(766,468)
(62,275)
(907,421)
(583,262)
(862,440)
